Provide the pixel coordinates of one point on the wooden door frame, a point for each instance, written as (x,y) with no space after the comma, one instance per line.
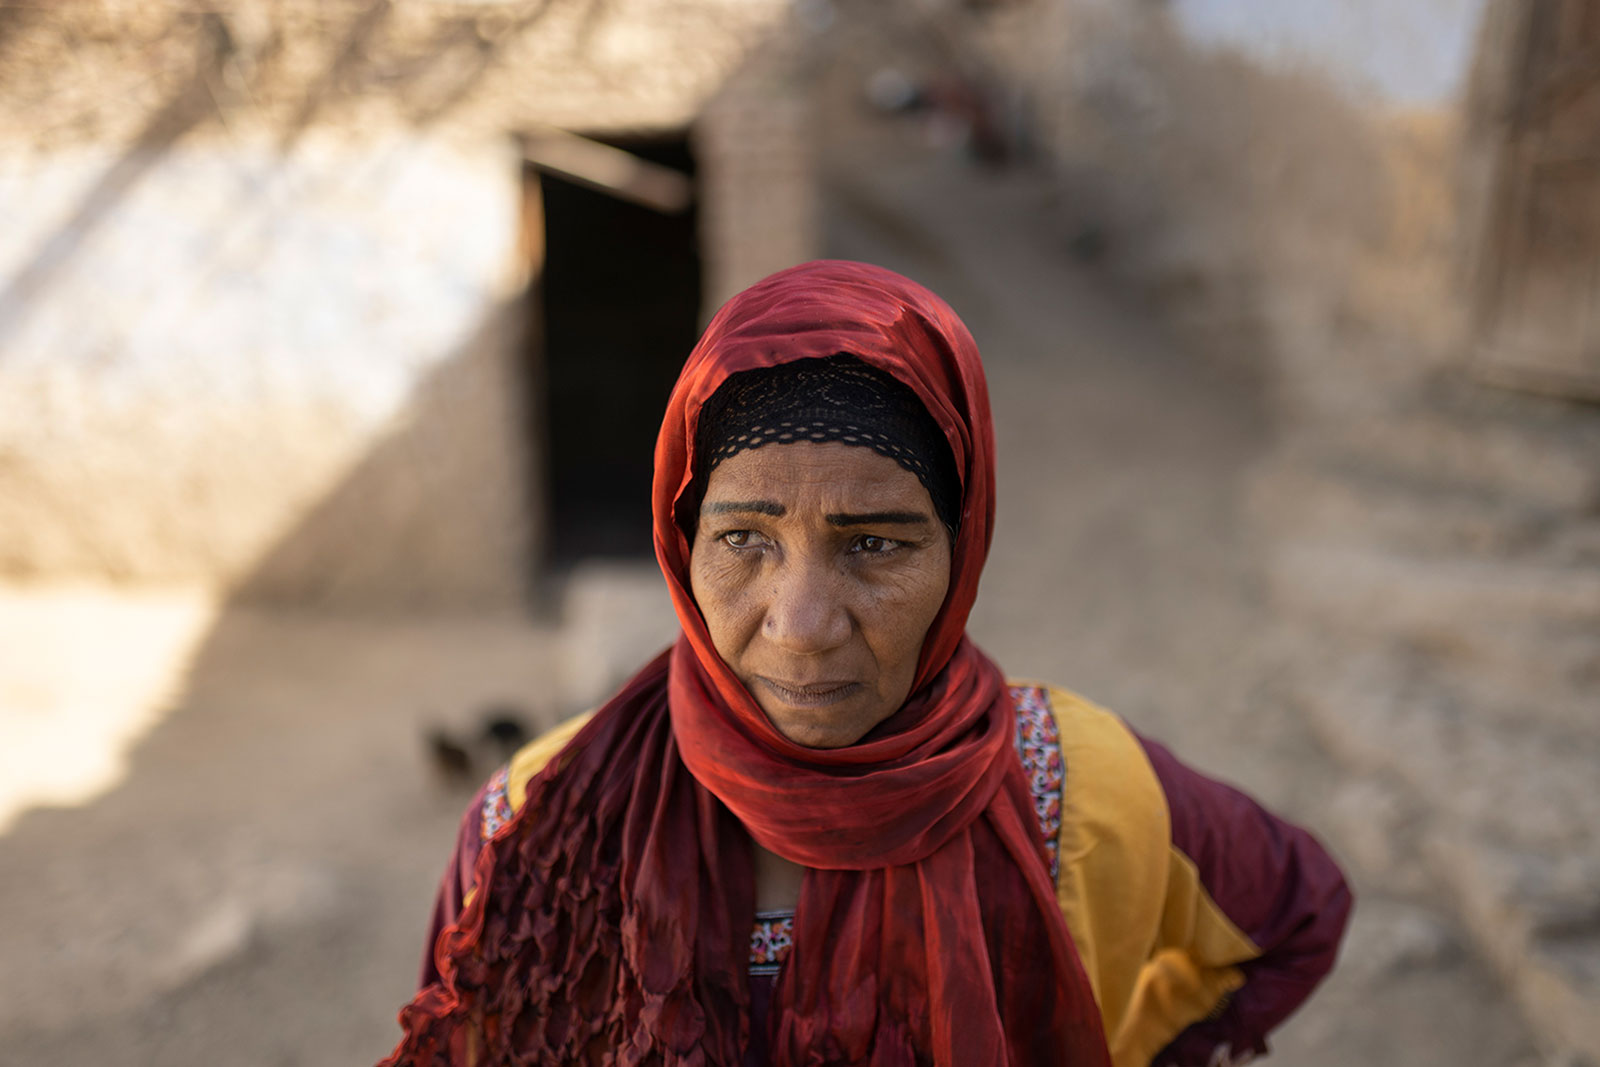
(1498,110)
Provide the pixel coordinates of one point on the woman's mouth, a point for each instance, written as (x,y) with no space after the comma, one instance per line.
(811,694)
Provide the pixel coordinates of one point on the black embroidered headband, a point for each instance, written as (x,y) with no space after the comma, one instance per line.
(837,398)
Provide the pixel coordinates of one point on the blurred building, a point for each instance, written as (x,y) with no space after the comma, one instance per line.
(339,303)
(1396,208)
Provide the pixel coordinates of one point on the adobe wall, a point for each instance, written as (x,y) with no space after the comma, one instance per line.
(756,147)
(192,370)
(105,74)
(261,326)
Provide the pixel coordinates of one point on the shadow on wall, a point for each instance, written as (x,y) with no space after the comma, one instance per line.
(188,107)
(442,512)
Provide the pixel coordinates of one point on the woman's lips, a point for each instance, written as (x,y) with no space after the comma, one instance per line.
(810,695)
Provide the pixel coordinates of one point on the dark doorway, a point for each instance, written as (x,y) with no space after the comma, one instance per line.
(620,305)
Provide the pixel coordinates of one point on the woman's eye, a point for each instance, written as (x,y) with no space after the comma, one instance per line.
(873,546)
(738,538)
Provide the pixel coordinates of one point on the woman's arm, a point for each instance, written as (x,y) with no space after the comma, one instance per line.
(456,882)
(1276,884)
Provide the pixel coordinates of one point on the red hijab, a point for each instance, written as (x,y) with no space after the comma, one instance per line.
(612,920)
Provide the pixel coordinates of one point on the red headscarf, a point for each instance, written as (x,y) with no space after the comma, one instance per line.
(612,918)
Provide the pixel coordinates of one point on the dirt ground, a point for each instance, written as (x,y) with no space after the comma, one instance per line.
(254,889)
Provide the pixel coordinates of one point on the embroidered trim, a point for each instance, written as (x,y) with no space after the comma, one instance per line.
(771,939)
(1038,744)
(496,804)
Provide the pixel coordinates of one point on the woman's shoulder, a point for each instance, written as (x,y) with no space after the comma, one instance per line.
(503,795)
(1065,705)
(1105,760)
(1108,781)
(533,757)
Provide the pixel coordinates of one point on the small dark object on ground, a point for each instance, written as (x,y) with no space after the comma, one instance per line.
(505,729)
(464,760)
(451,761)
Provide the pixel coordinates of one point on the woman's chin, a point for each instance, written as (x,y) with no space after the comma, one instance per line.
(812,730)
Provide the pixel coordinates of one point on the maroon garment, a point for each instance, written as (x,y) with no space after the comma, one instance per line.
(457,882)
(454,884)
(1275,882)
(762,987)
(1272,879)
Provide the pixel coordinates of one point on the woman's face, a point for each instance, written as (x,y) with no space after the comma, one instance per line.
(819,569)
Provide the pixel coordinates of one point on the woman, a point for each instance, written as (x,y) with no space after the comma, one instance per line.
(822,828)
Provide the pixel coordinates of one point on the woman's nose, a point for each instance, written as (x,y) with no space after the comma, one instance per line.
(807,612)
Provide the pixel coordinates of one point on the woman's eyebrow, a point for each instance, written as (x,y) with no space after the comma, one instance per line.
(872,518)
(760,507)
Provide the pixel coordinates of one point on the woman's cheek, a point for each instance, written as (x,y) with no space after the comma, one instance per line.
(909,587)
(727,605)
